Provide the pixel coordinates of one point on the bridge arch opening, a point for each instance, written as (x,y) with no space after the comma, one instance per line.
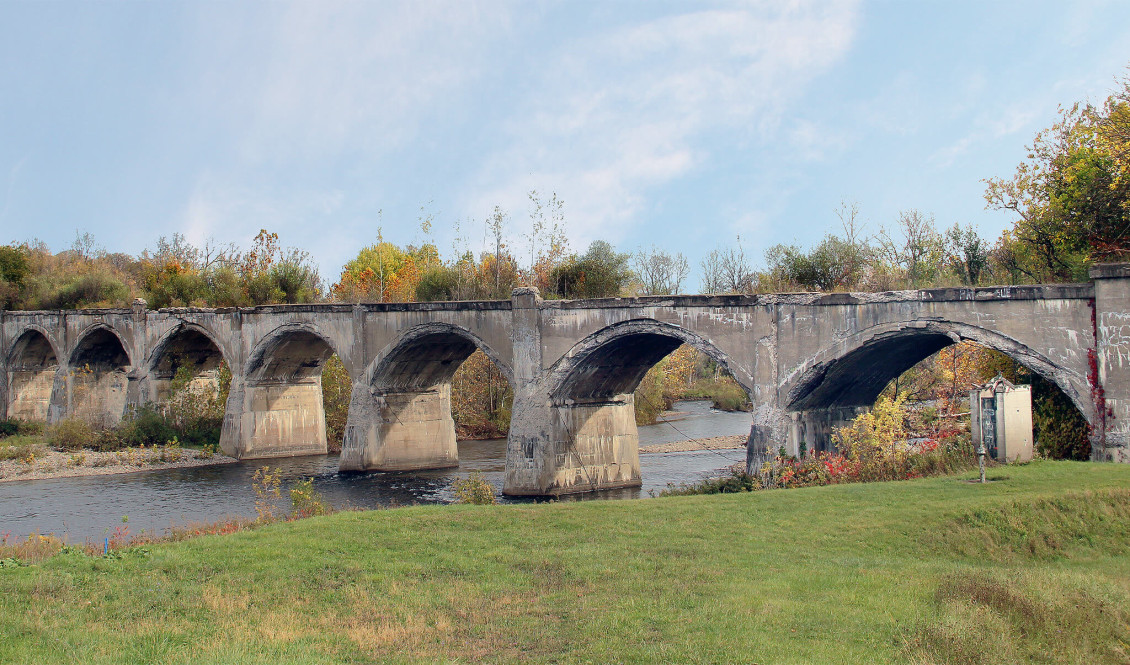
(188,379)
(934,368)
(599,396)
(32,363)
(187,358)
(98,374)
(283,411)
(437,383)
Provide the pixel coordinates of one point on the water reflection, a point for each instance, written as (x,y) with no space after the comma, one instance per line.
(89,507)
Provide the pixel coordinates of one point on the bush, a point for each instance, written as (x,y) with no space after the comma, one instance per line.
(147,426)
(438,283)
(70,434)
(14,427)
(474,489)
(109,440)
(307,501)
(94,289)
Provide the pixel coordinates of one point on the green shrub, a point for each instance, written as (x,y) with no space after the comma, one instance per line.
(13,427)
(94,289)
(147,426)
(70,434)
(438,283)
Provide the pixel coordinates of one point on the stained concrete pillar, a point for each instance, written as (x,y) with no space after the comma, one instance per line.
(815,427)
(594,447)
(29,392)
(530,454)
(1110,363)
(399,430)
(274,419)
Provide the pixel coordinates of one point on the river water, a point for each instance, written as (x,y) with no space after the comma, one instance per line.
(87,508)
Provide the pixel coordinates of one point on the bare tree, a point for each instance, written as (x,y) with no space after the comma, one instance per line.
(660,273)
(920,250)
(496,226)
(728,271)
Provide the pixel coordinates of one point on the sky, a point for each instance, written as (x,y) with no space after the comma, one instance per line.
(675,125)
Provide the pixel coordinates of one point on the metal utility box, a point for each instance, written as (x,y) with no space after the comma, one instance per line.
(1000,415)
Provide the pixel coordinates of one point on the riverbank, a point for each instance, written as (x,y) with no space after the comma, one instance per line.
(40,462)
(688,445)
(1028,568)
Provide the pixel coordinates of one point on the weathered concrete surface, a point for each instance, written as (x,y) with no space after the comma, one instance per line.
(1109,371)
(809,362)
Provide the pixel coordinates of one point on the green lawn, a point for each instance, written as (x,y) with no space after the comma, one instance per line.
(1033,567)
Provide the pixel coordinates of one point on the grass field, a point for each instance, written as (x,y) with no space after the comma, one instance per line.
(1034,567)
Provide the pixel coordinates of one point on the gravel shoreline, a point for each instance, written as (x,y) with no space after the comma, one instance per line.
(54,464)
(713,443)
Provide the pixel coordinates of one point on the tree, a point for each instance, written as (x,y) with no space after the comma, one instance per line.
(916,248)
(660,273)
(969,254)
(14,271)
(548,243)
(601,272)
(1072,195)
(728,270)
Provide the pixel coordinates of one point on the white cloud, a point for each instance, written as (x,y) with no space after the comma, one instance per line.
(638,107)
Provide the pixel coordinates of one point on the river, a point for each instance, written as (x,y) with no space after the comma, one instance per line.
(87,508)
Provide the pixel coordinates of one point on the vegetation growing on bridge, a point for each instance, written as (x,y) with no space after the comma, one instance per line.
(1030,567)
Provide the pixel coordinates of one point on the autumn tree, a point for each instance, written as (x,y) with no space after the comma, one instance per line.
(1071,197)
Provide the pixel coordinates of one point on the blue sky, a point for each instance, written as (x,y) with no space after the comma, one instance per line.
(680,125)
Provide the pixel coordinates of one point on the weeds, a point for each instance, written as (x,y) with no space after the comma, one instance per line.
(267,484)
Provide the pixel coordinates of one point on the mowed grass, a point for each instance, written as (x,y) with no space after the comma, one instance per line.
(1034,567)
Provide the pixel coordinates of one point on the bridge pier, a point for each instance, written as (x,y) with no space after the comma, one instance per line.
(29,397)
(400,430)
(816,427)
(1110,363)
(274,419)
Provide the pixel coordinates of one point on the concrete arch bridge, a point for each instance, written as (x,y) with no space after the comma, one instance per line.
(808,361)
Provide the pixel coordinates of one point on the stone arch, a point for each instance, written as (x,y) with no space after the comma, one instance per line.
(845,379)
(185,343)
(591,440)
(290,351)
(427,354)
(32,365)
(400,415)
(98,369)
(279,398)
(97,343)
(857,365)
(614,359)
